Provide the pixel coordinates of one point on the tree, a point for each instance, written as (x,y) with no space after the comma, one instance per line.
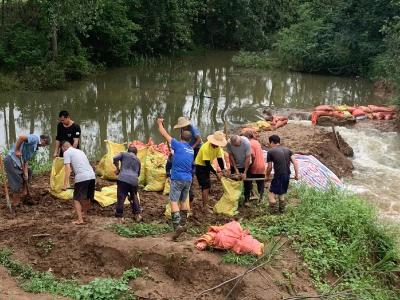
(72,15)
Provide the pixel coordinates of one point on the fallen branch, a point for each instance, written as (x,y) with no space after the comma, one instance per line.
(244,273)
(41,234)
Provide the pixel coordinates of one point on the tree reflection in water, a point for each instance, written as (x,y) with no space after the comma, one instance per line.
(123,104)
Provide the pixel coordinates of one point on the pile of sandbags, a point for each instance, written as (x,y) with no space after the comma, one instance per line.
(342,112)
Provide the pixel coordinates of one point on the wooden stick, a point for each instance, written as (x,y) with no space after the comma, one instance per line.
(41,235)
(336,138)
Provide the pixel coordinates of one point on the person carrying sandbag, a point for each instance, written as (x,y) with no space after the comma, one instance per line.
(128,181)
(209,151)
(85,179)
(181,177)
(280,157)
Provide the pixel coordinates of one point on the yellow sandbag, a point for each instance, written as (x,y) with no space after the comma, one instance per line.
(347,115)
(107,196)
(167,212)
(167,187)
(57,180)
(155,171)
(106,168)
(229,202)
(343,107)
(141,154)
(264,125)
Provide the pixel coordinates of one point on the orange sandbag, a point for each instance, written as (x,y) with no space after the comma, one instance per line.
(375,109)
(324,107)
(338,115)
(280,123)
(358,112)
(230,236)
(351,109)
(366,109)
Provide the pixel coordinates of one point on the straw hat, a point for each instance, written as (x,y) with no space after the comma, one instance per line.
(182,122)
(218,138)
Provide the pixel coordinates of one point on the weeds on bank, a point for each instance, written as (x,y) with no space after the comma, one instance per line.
(44,282)
(248,59)
(241,260)
(140,229)
(338,234)
(41,163)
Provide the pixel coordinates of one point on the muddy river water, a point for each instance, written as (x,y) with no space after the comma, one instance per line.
(122,104)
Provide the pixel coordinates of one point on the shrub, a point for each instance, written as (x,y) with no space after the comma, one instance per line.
(337,233)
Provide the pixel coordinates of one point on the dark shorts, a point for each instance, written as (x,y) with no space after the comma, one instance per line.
(84,190)
(203,177)
(14,175)
(280,184)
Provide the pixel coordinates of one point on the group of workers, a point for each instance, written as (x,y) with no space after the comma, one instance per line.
(190,157)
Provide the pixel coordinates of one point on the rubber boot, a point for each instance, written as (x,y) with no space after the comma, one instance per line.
(176,222)
(184,216)
(176,219)
(273,208)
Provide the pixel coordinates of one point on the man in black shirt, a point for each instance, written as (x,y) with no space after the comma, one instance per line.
(280,157)
(67,130)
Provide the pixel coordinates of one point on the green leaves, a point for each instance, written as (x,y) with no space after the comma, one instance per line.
(44,282)
(338,234)
(140,229)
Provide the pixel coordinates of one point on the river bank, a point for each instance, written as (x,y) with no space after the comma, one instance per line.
(42,236)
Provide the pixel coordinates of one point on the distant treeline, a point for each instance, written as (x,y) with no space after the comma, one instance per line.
(45,42)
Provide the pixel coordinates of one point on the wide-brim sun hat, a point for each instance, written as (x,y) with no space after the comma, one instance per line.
(218,138)
(182,122)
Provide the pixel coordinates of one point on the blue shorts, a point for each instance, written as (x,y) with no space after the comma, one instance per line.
(179,190)
(280,184)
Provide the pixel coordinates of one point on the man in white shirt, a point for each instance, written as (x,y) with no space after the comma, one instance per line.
(85,179)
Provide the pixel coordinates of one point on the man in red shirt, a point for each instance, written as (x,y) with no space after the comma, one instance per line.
(257,168)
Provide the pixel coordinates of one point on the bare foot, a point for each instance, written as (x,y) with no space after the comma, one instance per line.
(77,222)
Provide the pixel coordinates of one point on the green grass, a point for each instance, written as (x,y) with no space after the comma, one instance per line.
(44,282)
(241,260)
(261,60)
(338,234)
(140,229)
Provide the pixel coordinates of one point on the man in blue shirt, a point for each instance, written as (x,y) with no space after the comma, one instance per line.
(195,142)
(16,163)
(181,177)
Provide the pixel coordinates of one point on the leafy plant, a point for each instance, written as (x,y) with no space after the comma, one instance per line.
(241,260)
(46,246)
(247,59)
(337,233)
(140,229)
(44,282)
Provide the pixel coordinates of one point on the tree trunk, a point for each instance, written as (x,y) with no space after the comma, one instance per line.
(2,15)
(54,41)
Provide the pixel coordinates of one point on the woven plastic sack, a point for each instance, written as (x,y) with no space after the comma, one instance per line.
(106,168)
(167,187)
(57,180)
(107,196)
(228,204)
(155,171)
(141,154)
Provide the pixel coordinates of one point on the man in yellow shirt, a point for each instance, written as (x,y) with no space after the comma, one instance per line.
(208,152)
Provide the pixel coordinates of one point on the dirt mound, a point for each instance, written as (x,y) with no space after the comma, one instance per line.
(317,142)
